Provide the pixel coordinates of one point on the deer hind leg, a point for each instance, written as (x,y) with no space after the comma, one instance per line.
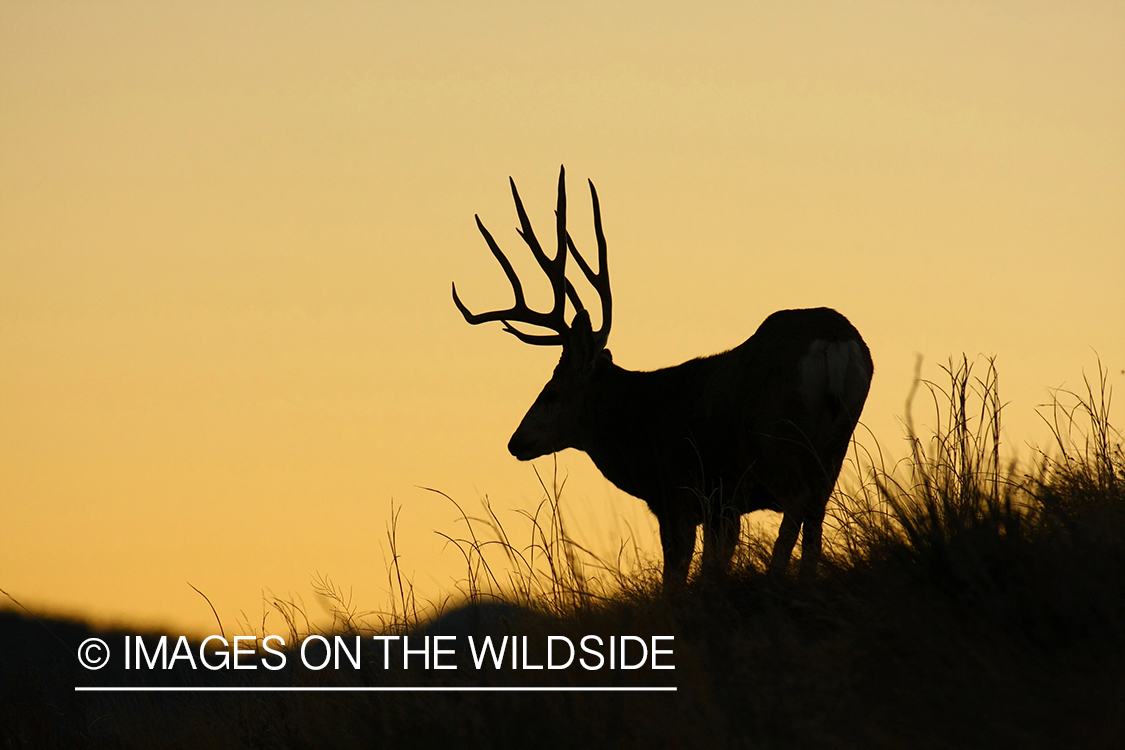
(677,540)
(720,537)
(783,547)
(811,541)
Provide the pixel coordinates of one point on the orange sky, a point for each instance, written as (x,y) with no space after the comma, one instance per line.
(227,232)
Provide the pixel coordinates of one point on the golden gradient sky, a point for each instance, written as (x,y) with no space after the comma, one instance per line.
(227,232)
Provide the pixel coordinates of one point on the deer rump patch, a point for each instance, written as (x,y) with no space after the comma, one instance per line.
(834,378)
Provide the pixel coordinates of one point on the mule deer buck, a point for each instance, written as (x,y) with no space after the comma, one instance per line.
(765,425)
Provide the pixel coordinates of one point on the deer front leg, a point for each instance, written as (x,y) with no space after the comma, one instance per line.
(677,539)
(720,537)
(783,547)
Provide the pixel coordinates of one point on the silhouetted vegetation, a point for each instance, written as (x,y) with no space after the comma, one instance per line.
(963,601)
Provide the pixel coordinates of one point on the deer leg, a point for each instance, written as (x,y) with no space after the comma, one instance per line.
(811,541)
(677,539)
(720,537)
(783,547)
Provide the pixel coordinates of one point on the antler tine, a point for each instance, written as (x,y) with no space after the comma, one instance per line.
(555,268)
(559,282)
(560,257)
(599,280)
(497,253)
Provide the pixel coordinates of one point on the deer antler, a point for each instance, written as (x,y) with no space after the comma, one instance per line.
(599,280)
(555,268)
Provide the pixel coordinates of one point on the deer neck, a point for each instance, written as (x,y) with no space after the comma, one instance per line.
(625,419)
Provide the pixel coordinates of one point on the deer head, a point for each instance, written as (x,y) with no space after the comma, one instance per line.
(552,422)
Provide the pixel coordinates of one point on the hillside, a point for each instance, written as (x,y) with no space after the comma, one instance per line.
(963,604)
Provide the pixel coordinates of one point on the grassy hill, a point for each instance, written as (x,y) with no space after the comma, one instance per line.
(963,603)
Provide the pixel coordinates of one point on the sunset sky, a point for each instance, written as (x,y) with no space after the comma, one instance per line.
(228,232)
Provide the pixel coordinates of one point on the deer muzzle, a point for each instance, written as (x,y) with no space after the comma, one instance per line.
(524,449)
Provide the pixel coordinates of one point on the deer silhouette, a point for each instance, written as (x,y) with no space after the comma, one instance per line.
(765,425)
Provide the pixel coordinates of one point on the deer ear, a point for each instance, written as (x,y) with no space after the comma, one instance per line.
(582,345)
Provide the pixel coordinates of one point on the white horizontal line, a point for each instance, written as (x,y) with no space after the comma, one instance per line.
(375,689)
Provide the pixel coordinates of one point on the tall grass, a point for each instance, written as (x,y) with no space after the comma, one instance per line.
(540,566)
(954,483)
(951,497)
